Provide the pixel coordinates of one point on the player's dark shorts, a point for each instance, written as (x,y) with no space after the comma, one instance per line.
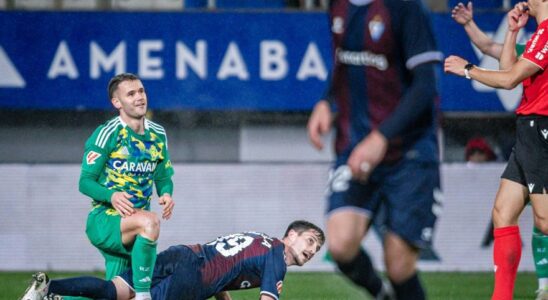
(176,275)
(408,193)
(528,162)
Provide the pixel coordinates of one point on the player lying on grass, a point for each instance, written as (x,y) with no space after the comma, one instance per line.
(232,262)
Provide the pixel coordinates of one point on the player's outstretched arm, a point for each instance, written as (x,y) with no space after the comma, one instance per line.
(504,79)
(464,15)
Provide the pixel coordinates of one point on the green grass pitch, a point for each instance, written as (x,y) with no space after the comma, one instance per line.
(320,285)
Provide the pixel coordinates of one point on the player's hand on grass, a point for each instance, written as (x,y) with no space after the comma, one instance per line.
(167,202)
(121,202)
(455,65)
(463,14)
(319,123)
(367,155)
(518,16)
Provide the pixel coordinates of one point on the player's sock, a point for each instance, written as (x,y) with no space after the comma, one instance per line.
(143,257)
(142,296)
(506,256)
(410,289)
(360,271)
(539,243)
(86,286)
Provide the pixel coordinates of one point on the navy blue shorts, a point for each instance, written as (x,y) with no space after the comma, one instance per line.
(176,275)
(407,193)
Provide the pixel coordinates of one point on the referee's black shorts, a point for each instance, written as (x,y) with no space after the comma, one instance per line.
(528,163)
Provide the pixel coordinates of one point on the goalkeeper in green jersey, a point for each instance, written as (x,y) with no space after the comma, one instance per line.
(123,158)
(463,15)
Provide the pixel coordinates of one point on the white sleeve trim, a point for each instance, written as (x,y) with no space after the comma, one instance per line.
(269,294)
(423,58)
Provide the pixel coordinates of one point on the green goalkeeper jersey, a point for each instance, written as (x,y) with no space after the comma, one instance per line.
(116,159)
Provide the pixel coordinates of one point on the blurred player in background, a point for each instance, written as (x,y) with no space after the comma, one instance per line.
(123,158)
(238,261)
(526,176)
(383,87)
(464,15)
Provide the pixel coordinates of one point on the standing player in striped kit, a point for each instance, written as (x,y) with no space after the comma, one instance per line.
(123,159)
(383,87)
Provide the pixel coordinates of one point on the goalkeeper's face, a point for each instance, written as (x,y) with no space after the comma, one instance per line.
(301,247)
(130,99)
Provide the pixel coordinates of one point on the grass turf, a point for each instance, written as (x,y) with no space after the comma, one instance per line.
(303,286)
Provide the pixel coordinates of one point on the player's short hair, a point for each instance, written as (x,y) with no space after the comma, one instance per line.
(301,226)
(116,80)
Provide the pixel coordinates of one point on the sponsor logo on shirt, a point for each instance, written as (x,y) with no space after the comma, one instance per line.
(91,157)
(140,167)
(362,58)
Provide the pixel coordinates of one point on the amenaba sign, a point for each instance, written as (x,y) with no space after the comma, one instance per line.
(215,61)
(277,61)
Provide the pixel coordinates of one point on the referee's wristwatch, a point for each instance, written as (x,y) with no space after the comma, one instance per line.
(467,69)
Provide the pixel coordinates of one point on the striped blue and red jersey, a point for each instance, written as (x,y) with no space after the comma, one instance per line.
(242,261)
(378,45)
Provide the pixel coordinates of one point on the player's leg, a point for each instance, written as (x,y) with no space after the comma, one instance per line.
(540,241)
(140,231)
(346,229)
(38,287)
(86,286)
(115,264)
(531,157)
(539,246)
(509,203)
(401,266)
(168,262)
(347,223)
(413,196)
(103,230)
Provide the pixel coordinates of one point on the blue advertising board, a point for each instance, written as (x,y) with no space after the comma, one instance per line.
(276,61)
(213,61)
